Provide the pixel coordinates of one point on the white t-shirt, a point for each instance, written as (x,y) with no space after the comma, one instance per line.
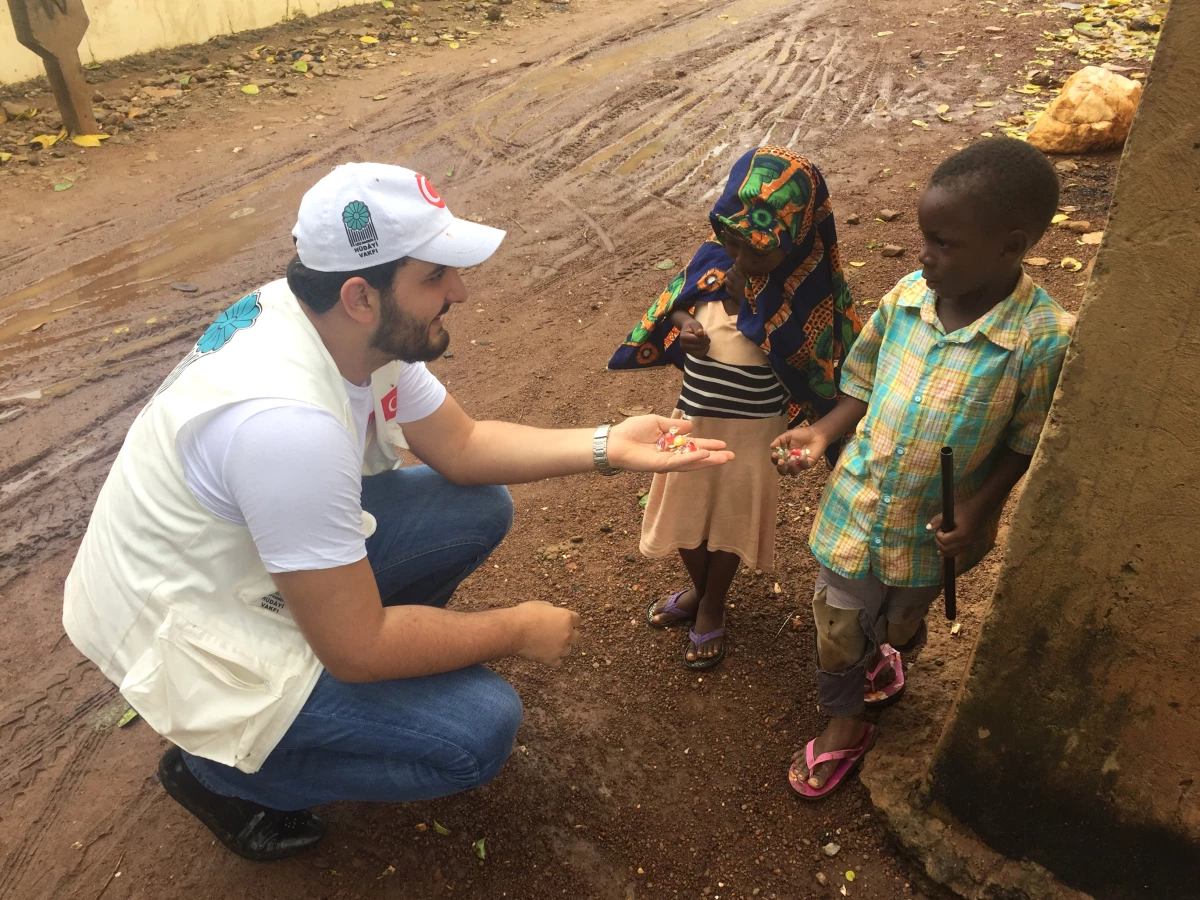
(291,473)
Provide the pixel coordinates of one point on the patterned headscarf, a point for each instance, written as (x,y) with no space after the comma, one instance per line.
(801,314)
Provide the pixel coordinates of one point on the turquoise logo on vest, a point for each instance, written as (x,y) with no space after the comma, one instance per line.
(241,315)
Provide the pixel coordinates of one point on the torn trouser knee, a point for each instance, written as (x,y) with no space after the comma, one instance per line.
(845,641)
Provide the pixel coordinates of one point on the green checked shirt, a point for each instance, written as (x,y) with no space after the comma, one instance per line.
(978,389)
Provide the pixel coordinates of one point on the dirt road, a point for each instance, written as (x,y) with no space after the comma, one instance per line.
(597,136)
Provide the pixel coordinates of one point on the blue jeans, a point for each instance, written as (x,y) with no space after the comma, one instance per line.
(412,738)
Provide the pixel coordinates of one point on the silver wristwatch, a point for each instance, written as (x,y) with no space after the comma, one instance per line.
(600,451)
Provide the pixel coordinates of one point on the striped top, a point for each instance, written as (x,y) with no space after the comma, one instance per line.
(979,389)
(724,391)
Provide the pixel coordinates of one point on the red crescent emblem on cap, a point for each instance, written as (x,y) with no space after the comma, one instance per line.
(389,405)
(431,196)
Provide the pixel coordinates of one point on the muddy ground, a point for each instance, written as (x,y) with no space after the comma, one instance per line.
(596,133)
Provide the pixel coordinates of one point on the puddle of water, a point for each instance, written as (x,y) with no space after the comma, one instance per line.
(650,151)
(197,240)
(209,236)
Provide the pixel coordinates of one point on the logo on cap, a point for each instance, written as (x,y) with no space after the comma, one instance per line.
(360,230)
(431,196)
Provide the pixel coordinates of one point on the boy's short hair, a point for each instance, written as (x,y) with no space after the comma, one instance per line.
(1009,177)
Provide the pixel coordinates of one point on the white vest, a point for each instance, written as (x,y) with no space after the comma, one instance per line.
(172,603)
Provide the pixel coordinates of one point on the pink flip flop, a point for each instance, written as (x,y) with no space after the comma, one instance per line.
(849,761)
(877,698)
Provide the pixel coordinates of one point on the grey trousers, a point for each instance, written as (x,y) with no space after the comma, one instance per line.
(854,616)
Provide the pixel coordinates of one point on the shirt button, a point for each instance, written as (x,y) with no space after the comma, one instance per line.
(899,451)
(940,344)
(917,399)
(877,541)
(887,498)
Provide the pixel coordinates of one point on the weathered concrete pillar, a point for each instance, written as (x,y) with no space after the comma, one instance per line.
(1076,740)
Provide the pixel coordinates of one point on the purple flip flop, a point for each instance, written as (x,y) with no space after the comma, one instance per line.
(681,617)
(695,642)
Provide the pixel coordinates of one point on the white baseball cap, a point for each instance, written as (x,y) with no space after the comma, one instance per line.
(368,214)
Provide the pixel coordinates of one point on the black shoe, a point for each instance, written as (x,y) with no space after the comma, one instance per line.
(253,832)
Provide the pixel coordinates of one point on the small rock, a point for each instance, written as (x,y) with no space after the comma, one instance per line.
(127,124)
(892,250)
(1067,165)
(577,539)
(291,92)
(994,29)
(15,110)
(889,215)
(421,827)
(1081,226)
(915,54)
(186,286)
(447,355)
(606,528)
(831,849)
(431,41)
(1017,120)
(821,879)
(853,219)
(1142,23)
(98,97)
(1040,78)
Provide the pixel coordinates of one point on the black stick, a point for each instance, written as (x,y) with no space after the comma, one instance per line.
(948,525)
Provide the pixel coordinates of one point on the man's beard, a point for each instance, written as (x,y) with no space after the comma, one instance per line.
(404,337)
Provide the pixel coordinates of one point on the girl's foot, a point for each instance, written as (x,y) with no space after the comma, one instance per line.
(708,622)
(676,609)
(839,734)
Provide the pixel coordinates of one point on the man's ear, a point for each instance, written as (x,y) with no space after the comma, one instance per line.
(359,300)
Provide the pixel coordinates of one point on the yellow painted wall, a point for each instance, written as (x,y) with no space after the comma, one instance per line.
(121,27)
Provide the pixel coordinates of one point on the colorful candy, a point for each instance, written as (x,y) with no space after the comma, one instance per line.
(783,454)
(674,442)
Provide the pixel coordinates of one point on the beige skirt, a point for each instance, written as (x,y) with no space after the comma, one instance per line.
(731,507)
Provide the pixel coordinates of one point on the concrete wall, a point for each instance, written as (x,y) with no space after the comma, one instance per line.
(121,27)
(1076,742)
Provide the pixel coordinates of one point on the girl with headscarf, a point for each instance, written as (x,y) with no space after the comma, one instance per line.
(759,321)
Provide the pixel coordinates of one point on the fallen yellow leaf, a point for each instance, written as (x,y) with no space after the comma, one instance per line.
(858,265)
(454,45)
(386,4)
(920,124)
(1038,261)
(251,89)
(946,118)
(152,320)
(300,65)
(985,134)
(1071,264)
(1092,237)
(46,141)
(943,108)
(379,97)
(89,140)
(883,33)
(406,73)
(5,157)
(368,39)
(986,104)
(1059,218)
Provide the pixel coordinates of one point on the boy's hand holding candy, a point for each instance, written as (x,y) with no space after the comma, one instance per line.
(658,444)
(798,450)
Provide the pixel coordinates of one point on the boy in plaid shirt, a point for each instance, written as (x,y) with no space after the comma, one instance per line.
(965,353)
